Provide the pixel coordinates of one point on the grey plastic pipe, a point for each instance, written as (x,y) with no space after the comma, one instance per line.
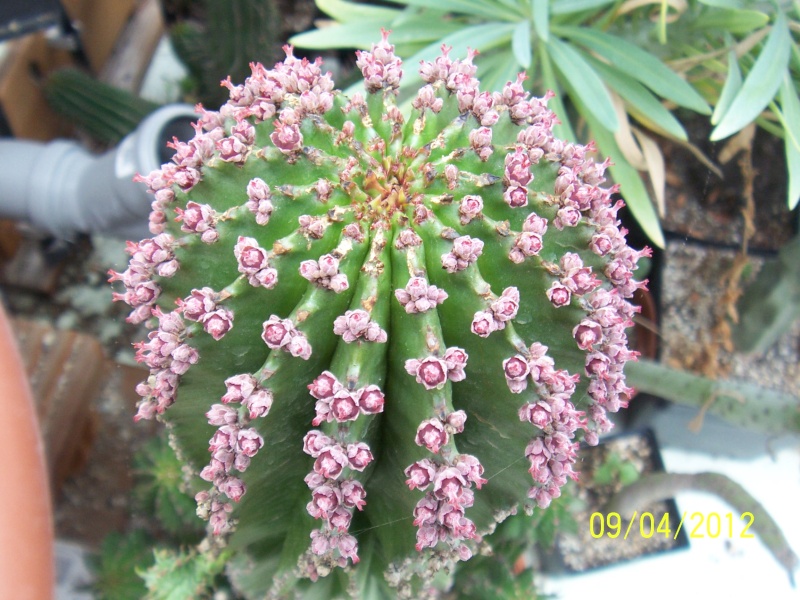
(60,187)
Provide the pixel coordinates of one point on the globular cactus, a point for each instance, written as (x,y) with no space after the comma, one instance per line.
(378,335)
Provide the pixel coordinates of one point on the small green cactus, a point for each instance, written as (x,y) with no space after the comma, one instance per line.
(378,335)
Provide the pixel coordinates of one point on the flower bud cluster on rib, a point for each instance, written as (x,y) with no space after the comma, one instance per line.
(440,514)
(499,311)
(232,446)
(168,356)
(553,453)
(149,257)
(334,495)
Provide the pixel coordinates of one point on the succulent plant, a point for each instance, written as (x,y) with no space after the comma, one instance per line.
(377,335)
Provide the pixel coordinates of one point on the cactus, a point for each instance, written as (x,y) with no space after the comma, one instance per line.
(377,335)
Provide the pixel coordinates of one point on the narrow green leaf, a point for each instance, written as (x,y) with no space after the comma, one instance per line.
(565,7)
(497,69)
(564,129)
(733,83)
(639,64)
(478,8)
(730,20)
(584,82)
(521,43)
(346,12)
(640,99)
(361,34)
(761,83)
(733,4)
(541,18)
(632,187)
(790,107)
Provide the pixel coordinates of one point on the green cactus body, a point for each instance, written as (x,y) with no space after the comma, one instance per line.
(378,336)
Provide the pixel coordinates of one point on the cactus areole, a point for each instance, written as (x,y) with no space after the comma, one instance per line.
(376,335)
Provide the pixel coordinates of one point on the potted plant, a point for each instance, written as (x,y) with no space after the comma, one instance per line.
(26,528)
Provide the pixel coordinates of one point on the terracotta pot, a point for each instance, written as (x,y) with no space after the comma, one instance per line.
(26,525)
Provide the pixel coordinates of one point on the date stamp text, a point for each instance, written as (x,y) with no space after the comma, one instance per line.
(699,525)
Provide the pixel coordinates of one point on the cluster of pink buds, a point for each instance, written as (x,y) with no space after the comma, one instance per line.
(500,311)
(470,207)
(148,257)
(281,334)
(380,67)
(517,177)
(465,251)
(232,447)
(202,307)
(200,219)
(355,324)
(439,514)
(552,454)
(529,241)
(574,279)
(253,262)
(418,296)
(335,402)
(433,372)
(259,200)
(325,273)
(333,495)
(168,356)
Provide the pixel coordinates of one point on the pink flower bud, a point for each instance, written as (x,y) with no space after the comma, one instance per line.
(217,323)
(258,403)
(250,257)
(420,474)
(470,208)
(343,406)
(324,386)
(587,333)
(249,441)
(222,415)
(331,461)
(455,420)
(239,387)
(353,494)
(359,455)
(484,323)
(370,399)
(559,295)
(287,138)
(432,435)
(430,372)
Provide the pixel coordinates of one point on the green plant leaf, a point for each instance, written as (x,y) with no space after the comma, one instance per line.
(565,7)
(541,18)
(346,12)
(478,8)
(761,83)
(639,64)
(584,82)
(733,4)
(790,112)
(635,192)
(361,34)
(564,128)
(733,83)
(497,69)
(641,100)
(521,44)
(730,20)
